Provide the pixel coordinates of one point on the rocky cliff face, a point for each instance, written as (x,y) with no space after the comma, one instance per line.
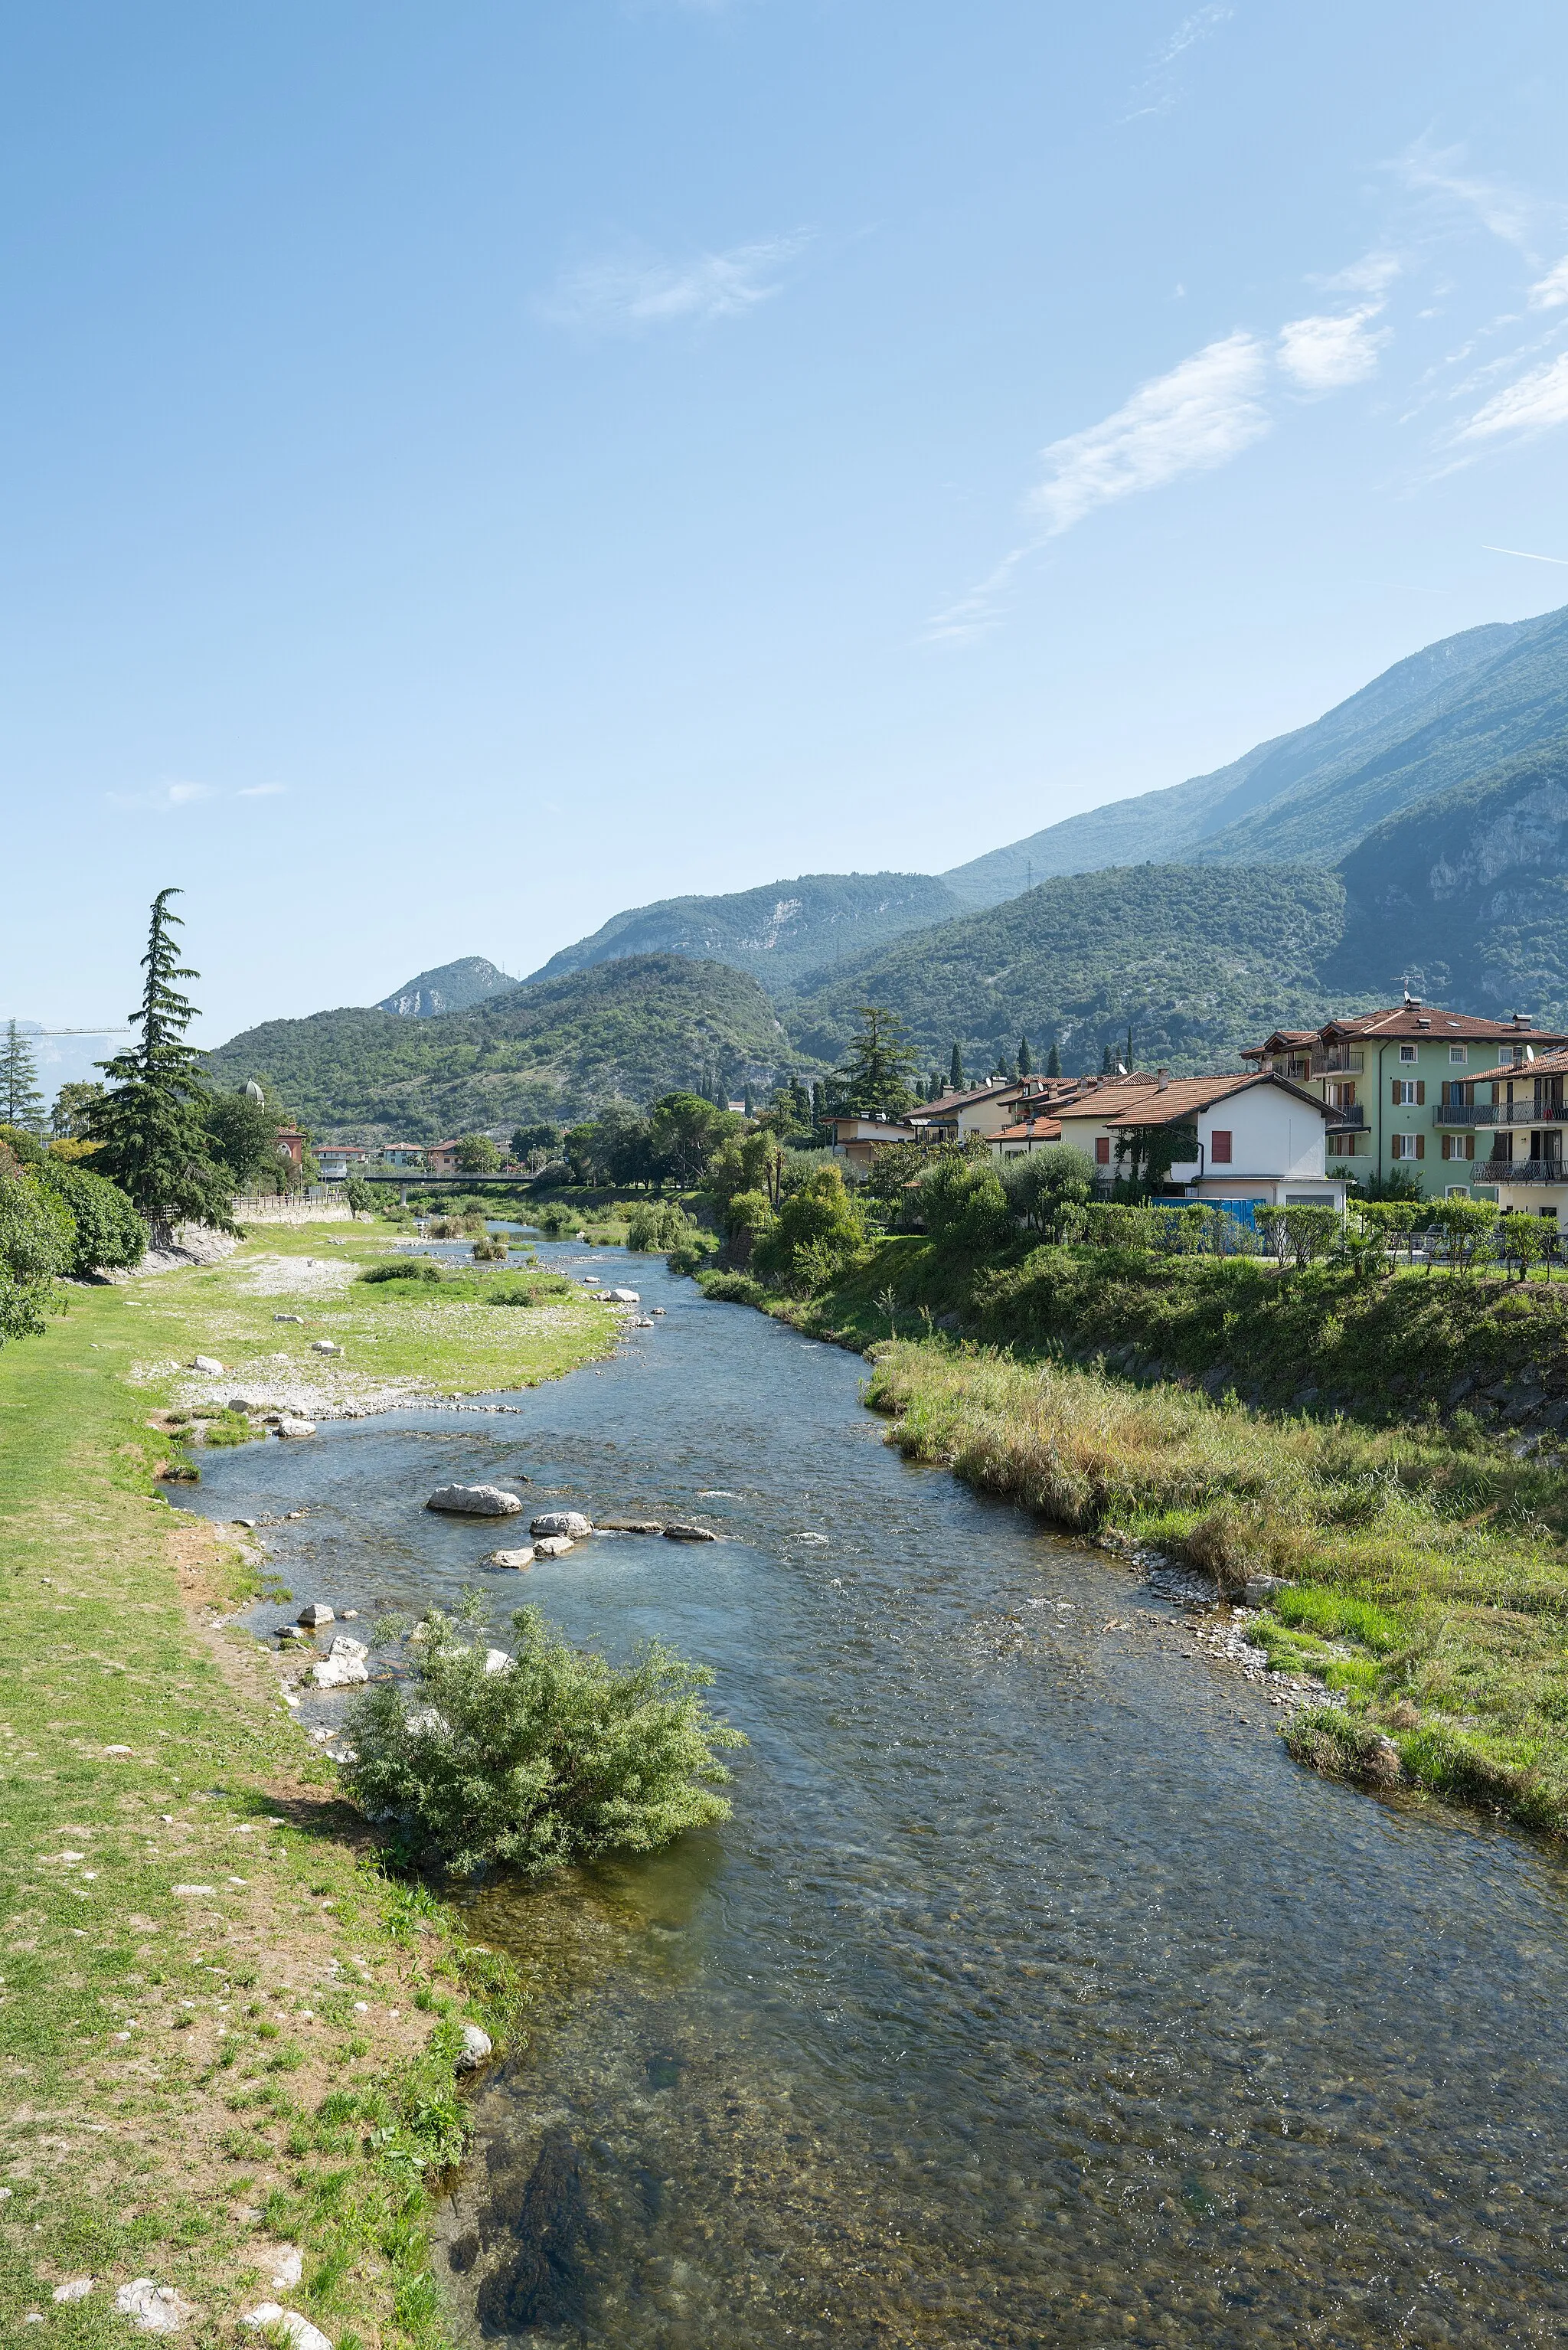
(1467,894)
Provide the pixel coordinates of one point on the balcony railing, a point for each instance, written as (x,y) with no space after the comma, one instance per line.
(1519,1171)
(1339,1060)
(1465,1114)
(1500,1114)
(1351,1118)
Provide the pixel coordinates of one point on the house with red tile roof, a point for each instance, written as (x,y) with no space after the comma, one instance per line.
(1251,1138)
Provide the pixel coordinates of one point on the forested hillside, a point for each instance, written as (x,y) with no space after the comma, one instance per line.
(779,932)
(1200,961)
(628,1031)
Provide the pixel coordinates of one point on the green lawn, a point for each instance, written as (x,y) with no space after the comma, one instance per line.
(195,2078)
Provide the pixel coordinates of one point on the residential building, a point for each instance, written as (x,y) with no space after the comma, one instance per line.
(1033,1132)
(402,1154)
(987,1109)
(857,1139)
(441,1158)
(292,1145)
(337,1160)
(1253,1140)
(1382,1075)
(1499,1133)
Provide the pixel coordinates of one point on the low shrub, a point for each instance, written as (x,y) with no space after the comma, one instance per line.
(409,1268)
(558,1758)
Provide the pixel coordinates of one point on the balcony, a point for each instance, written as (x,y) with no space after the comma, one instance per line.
(1519,1171)
(1349,1120)
(1339,1060)
(1466,1113)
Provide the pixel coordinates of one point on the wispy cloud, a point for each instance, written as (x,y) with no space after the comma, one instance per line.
(166,799)
(1442,174)
(1157,93)
(630,294)
(1200,415)
(1536,403)
(1525,557)
(1373,274)
(1551,292)
(1331,352)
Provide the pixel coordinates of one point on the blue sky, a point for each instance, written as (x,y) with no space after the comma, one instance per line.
(469,470)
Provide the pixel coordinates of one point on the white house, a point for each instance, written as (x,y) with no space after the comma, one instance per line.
(1258,1139)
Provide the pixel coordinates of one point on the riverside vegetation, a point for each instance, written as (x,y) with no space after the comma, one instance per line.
(1378,1438)
(198,2079)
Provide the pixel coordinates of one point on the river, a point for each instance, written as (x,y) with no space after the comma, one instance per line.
(1031,1996)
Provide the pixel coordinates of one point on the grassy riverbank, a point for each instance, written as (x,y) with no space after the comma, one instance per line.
(1412,1503)
(198,2078)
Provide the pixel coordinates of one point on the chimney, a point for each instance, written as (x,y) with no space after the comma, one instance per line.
(1163,1078)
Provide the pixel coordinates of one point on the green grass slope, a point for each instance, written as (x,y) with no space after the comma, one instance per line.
(629,1030)
(1200,961)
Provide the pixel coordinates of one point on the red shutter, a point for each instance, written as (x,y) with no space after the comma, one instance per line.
(1102,1149)
(1420,1146)
(1219,1146)
(1420,1091)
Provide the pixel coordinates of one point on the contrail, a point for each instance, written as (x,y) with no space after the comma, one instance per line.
(1524,555)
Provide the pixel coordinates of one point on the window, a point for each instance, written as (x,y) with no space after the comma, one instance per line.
(1458,1055)
(1346,1145)
(1407,1052)
(1102,1149)
(1219,1146)
(1342,1097)
(1408,1145)
(1408,1091)
(1458,1146)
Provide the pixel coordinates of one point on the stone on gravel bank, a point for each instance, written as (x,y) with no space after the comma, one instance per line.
(344,1665)
(300,2330)
(208,1363)
(474,1501)
(155,2308)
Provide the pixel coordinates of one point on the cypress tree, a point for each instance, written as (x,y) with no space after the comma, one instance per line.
(21,1103)
(1054,1061)
(955,1071)
(151,1120)
(1024,1068)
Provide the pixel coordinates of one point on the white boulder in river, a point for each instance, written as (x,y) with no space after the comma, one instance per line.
(570,1522)
(346,1663)
(474,1501)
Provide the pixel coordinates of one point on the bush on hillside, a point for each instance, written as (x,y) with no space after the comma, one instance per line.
(38,1246)
(963,1205)
(1049,1189)
(107,1231)
(409,1268)
(558,1758)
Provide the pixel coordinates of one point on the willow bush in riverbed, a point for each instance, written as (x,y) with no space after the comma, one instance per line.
(557,1757)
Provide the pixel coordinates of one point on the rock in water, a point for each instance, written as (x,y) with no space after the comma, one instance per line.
(626,1296)
(518,1559)
(474,1501)
(571,1522)
(476,2047)
(630,1525)
(316,1614)
(553,1546)
(289,1426)
(680,1531)
(344,1665)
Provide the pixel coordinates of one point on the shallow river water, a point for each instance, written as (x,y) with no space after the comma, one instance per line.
(1031,1996)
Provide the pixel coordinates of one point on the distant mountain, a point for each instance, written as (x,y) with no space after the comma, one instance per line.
(450,987)
(779,933)
(1467,892)
(1313,792)
(1199,961)
(555,1050)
